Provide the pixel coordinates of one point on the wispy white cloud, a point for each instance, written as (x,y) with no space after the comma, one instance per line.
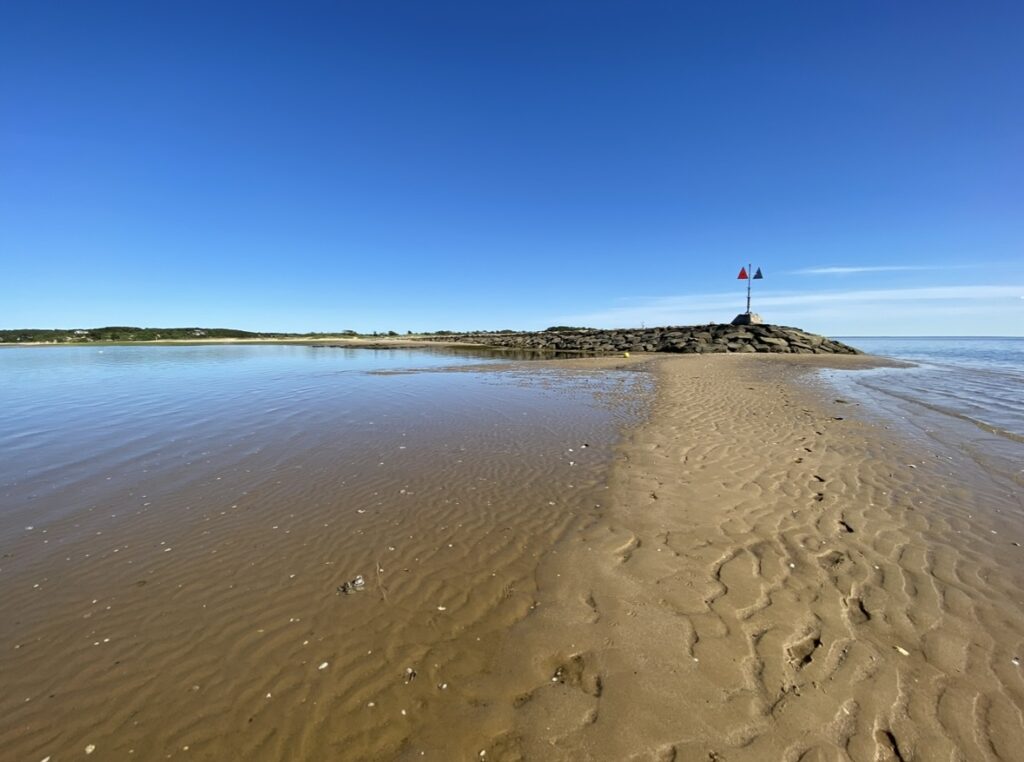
(875,269)
(850,311)
(925,293)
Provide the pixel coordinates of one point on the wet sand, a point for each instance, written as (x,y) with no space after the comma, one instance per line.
(756,572)
(776,579)
(183,602)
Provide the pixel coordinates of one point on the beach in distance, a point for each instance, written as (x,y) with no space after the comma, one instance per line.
(282,552)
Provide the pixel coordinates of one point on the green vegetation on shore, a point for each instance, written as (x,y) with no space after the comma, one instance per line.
(122,334)
(133,333)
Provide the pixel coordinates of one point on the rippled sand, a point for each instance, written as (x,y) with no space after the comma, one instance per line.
(200,616)
(762,573)
(774,579)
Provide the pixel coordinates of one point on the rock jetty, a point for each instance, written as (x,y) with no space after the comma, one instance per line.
(715,337)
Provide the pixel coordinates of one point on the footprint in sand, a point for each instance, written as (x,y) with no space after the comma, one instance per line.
(591,603)
(625,552)
(832,560)
(576,673)
(802,652)
(856,612)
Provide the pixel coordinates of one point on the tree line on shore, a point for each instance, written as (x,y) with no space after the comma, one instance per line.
(135,333)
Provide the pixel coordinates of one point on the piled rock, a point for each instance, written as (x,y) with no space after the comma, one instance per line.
(715,337)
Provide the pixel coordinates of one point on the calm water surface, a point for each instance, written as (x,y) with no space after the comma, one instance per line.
(967,393)
(175,522)
(981,379)
(81,423)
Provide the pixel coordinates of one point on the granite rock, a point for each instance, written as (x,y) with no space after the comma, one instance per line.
(714,337)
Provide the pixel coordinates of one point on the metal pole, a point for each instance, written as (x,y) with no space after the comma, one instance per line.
(750,277)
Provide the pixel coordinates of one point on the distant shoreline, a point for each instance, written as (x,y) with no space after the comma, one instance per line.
(354,341)
(710,338)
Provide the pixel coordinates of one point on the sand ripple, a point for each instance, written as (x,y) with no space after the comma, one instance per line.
(775,580)
(198,616)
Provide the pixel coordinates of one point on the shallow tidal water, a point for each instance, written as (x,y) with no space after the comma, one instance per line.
(978,379)
(961,394)
(176,522)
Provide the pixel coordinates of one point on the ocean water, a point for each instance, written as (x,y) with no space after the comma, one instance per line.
(964,393)
(980,379)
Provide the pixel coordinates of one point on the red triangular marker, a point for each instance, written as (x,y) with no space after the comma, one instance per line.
(757,275)
(743,274)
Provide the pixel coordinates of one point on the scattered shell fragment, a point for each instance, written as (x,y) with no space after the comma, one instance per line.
(442,608)
(323,666)
(354,585)
(90,748)
(902,650)
(1015,661)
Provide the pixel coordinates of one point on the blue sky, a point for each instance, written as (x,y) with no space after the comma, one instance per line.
(425,165)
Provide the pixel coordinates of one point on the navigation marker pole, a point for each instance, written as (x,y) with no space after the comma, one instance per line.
(748,317)
(749,281)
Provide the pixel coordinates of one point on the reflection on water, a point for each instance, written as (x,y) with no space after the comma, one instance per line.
(493,353)
(176,520)
(68,413)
